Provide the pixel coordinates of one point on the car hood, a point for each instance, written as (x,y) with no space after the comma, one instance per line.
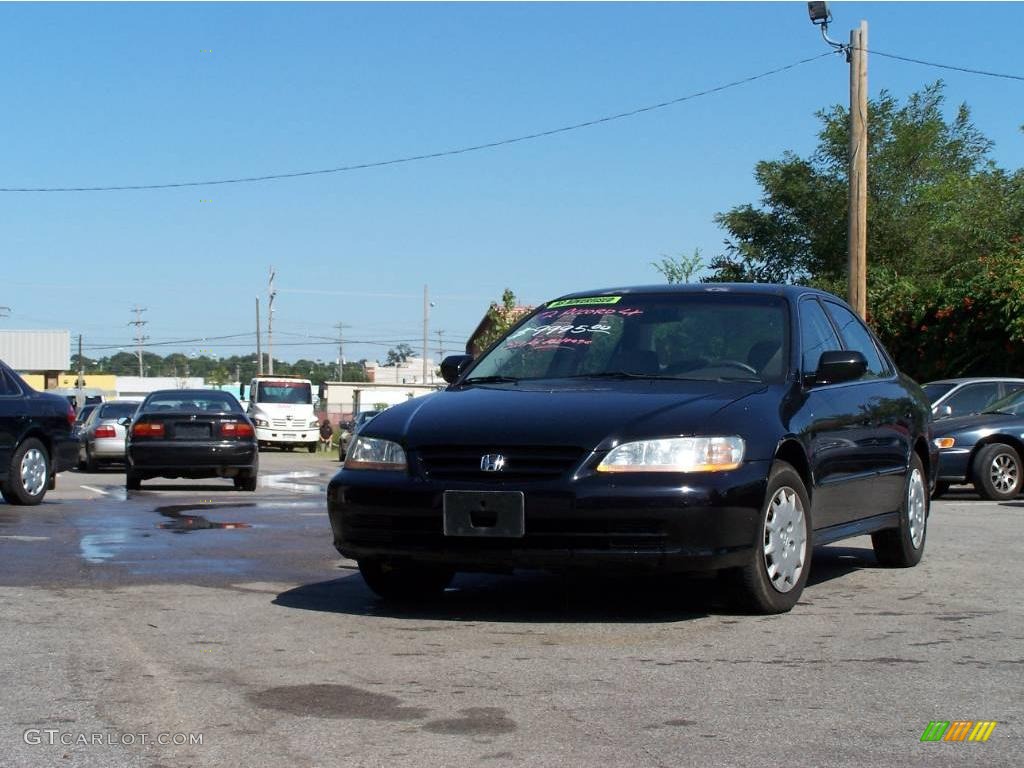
(589,415)
(975,421)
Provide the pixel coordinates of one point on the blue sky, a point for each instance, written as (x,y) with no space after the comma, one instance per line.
(121,93)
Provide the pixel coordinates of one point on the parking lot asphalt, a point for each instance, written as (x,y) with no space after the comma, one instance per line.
(189,610)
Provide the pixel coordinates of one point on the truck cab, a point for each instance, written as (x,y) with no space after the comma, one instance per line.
(281,408)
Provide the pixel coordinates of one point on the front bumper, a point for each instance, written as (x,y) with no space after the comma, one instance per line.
(285,435)
(647,521)
(954,465)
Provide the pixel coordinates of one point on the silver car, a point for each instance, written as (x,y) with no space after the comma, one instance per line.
(101,439)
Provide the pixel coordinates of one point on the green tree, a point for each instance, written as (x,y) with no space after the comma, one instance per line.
(397,355)
(681,268)
(502,317)
(945,232)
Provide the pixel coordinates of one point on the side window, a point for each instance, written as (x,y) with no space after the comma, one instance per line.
(973,398)
(1010,389)
(7,386)
(816,335)
(858,338)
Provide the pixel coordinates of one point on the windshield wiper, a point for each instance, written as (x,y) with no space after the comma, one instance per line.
(622,375)
(490,380)
(1001,413)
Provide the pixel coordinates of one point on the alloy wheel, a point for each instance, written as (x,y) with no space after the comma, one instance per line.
(1004,472)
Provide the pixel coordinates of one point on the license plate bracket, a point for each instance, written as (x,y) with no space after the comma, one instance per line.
(494,514)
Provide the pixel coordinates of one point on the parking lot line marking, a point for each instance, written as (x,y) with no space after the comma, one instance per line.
(26,538)
(94,490)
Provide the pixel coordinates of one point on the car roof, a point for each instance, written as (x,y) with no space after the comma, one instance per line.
(762,289)
(973,379)
(190,392)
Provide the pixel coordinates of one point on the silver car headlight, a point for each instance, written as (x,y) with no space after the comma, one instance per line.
(676,454)
(373,453)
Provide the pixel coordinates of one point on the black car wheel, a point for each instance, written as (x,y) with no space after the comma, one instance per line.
(90,462)
(132,480)
(246,481)
(404,581)
(774,577)
(997,472)
(311,447)
(28,475)
(902,547)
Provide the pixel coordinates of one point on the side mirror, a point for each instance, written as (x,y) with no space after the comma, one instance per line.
(837,366)
(125,421)
(453,365)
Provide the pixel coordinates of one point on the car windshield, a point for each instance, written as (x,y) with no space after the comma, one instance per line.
(214,402)
(1012,404)
(936,389)
(710,336)
(294,392)
(117,410)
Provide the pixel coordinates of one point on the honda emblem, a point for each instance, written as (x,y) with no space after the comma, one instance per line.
(492,462)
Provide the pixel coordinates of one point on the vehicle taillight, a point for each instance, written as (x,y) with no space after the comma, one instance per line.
(235,429)
(70,415)
(148,429)
(105,431)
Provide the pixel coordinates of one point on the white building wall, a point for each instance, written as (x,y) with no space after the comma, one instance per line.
(36,350)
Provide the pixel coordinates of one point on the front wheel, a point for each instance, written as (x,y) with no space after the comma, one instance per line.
(28,475)
(776,572)
(311,447)
(903,547)
(404,581)
(997,472)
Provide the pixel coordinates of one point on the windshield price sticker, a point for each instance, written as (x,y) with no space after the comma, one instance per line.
(620,311)
(562,330)
(588,301)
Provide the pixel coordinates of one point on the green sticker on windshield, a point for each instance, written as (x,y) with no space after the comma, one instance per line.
(589,301)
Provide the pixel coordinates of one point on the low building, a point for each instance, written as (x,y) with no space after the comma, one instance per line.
(344,399)
(39,356)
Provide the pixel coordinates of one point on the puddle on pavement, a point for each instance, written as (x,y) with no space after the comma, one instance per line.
(181,523)
(290,481)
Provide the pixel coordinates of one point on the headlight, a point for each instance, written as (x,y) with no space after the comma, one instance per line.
(314,423)
(261,422)
(371,453)
(676,454)
(944,442)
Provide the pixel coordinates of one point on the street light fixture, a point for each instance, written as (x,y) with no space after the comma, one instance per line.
(821,16)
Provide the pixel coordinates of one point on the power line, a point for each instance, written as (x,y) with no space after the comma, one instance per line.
(945,66)
(433,155)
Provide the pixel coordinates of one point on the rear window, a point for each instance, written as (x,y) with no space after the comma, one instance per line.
(117,410)
(211,402)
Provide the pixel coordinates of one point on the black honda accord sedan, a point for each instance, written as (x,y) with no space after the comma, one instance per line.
(679,428)
(191,433)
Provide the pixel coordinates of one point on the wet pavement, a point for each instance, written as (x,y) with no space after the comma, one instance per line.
(192,609)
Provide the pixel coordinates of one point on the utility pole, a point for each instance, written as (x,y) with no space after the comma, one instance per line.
(138,322)
(857,233)
(270,323)
(79,399)
(341,350)
(426,326)
(259,348)
(440,345)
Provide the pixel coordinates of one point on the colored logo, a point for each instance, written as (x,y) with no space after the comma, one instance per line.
(958,730)
(585,302)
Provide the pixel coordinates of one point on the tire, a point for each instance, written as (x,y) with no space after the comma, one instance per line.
(903,547)
(246,481)
(404,581)
(90,462)
(997,472)
(941,489)
(774,577)
(29,474)
(312,447)
(132,480)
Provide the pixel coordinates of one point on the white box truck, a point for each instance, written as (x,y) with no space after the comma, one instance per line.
(281,407)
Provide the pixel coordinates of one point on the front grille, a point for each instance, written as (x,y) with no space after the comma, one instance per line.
(280,423)
(521,462)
